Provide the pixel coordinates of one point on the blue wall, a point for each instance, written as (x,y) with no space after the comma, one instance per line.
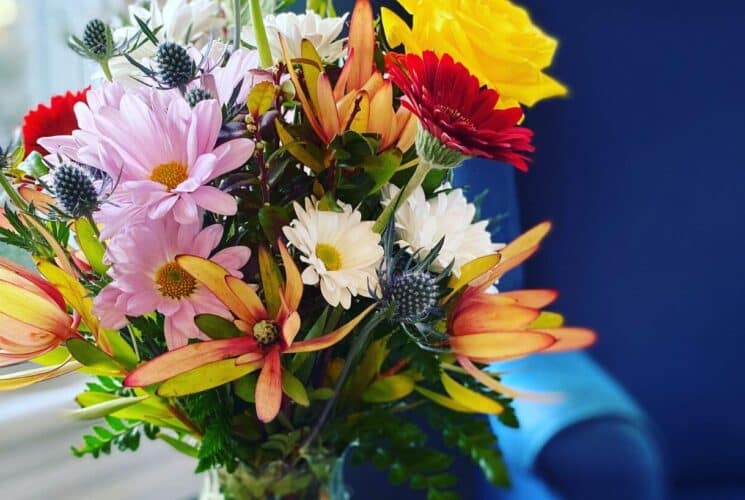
(643,172)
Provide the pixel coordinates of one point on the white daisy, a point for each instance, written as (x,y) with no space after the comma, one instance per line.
(323,33)
(341,250)
(177,19)
(422,223)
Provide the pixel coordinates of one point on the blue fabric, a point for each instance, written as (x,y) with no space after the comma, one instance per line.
(642,172)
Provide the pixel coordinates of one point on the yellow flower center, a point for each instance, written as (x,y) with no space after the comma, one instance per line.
(174,282)
(266,332)
(329,255)
(169,174)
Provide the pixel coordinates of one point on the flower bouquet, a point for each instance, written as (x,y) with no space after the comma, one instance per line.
(246,232)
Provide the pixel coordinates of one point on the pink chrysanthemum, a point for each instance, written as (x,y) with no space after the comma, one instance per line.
(147,277)
(162,152)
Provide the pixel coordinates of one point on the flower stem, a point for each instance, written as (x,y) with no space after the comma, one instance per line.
(262,41)
(415,181)
(359,344)
(104,63)
(12,193)
(237,25)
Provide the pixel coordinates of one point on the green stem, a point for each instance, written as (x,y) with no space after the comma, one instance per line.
(262,41)
(106,70)
(360,342)
(415,181)
(12,193)
(237,26)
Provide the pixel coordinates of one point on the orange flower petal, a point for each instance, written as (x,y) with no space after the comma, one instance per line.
(187,358)
(247,295)
(213,276)
(362,41)
(514,254)
(269,387)
(570,338)
(483,318)
(293,290)
(502,345)
(34,309)
(290,327)
(532,298)
(328,115)
(330,339)
(22,272)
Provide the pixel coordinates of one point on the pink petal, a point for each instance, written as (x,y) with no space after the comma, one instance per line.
(214,200)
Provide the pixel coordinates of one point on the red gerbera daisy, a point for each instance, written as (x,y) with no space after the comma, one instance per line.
(56,119)
(458,112)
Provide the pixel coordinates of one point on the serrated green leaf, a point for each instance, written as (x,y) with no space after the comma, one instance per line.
(179,445)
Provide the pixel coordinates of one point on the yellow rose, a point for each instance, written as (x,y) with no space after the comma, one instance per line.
(494,39)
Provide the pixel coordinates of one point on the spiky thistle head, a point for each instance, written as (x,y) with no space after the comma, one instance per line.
(74,190)
(408,284)
(197,95)
(175,66)
(95,37)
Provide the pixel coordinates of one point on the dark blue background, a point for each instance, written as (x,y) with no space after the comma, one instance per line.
(643,172)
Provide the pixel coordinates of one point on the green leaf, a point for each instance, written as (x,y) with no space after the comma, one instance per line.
(34,165)
(106,408)
(271,280)
(294,388)
(91,245)
(205,377)
(245,387)
(389,389)
(382,167)
(321,394)
(307,154)
(179,445)
(217,327)
(92,357)
(120,349)
(272,219)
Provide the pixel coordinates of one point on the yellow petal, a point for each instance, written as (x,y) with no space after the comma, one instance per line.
(469,398)
(470,271)
(441,400)
(74,293)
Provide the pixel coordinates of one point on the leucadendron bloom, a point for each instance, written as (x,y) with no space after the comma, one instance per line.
(495,39)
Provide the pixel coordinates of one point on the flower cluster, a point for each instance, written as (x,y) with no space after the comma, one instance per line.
(250,233)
